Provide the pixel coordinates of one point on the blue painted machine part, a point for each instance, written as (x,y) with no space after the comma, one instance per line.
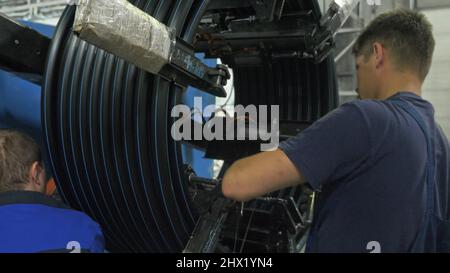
(202,166)
(20,100)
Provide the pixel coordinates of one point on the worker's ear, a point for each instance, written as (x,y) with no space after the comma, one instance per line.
(379,53)
(37,175)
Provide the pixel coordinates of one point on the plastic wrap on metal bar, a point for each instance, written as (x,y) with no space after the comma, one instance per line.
(338,13)
(106,125)
(125,31)
(344,8)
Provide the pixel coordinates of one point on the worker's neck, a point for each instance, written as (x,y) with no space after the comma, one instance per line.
(400,82)
(31,187)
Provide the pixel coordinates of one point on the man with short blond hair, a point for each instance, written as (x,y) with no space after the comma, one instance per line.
(20,163)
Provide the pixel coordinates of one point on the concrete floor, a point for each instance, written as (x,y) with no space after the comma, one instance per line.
(437,86)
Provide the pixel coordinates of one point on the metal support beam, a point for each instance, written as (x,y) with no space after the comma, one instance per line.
(23,50)
(205,237)
(185,69)
(208,198)
(338,13)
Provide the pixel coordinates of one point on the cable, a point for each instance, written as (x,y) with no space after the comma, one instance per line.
(247,229)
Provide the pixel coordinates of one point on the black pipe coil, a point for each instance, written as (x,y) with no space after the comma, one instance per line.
(304,91)
(106,126)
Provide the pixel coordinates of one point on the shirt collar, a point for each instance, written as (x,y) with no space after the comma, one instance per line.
(29,197)
(405,94)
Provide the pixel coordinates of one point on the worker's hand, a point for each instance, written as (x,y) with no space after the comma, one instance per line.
(206,199)
(259,175)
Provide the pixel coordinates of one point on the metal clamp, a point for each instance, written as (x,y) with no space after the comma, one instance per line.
(186,69)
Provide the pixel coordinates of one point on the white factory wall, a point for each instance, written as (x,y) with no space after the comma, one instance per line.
(437,85)
(432,3)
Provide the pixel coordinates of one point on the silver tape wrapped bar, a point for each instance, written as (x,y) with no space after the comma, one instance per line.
(345,8)
(338,13)
(125,31)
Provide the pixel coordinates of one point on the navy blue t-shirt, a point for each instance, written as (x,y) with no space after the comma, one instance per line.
(32,222)
(367,159)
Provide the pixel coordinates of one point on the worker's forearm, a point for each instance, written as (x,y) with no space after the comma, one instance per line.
(259,175)
(233,186)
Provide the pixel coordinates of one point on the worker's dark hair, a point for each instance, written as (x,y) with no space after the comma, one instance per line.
(408,35)
(18,152)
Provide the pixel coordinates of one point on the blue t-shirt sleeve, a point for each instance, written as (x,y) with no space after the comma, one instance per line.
(333,147)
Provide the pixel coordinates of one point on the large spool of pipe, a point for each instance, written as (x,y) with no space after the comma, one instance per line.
(106,125)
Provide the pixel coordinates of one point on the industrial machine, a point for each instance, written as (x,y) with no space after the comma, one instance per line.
(106,122)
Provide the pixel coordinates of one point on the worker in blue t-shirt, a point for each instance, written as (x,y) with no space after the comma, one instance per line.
(380,165)
(30,221)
